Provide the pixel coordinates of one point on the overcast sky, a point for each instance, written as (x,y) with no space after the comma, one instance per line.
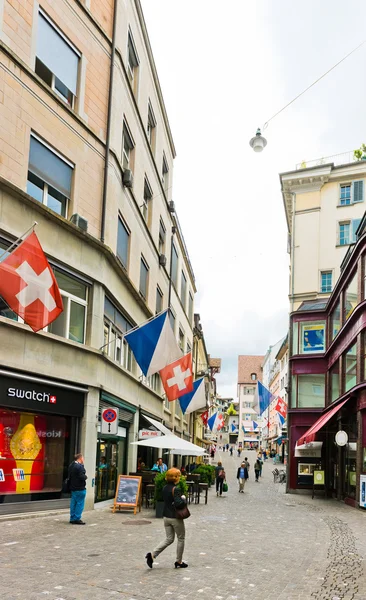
(225,68)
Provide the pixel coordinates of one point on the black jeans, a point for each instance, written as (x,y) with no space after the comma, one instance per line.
(257,473)
(219,484)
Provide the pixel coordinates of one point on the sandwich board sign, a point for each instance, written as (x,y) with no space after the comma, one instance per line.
(128,493)
(110,420)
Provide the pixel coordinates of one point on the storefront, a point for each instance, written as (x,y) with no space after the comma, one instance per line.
(39,435)
(112,450)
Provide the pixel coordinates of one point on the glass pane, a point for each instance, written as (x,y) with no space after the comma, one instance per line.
(159,301)
(57,54)
(174,266)
(58,327)
(334,382)
(143,279)
(311,391)
(43,72)
(77,322)
(350,374)
(56,201)
(109,309)
(63,91)
(123,237)
(70,284)
(49,167)
(35,187)
(335,320)
(5,311)
(183,290)
(312,337)
(350,299)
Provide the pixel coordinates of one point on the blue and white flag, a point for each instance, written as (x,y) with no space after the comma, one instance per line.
(194,400)
(255,425)
(216,422)
(264,397)
(233,427)
(281,419)
(154,345)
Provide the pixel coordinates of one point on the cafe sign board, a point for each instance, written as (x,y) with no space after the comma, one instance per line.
(128,493)
(311,450)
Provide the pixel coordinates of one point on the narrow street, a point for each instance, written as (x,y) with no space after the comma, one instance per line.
(263,545)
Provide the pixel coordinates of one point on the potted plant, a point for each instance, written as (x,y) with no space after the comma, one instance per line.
(360,153)
(160,482)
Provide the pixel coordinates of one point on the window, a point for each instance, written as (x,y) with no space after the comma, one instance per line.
(147,201)
(174,266)
(334,382)
(132,62)
(335,320)
(350,297)
(253,377)
(190,307)
(326,282)
(71,322)
(5,311)
(162,237)
(123,242)
(127,148)
(165,174)
(159,300)
(115,326)
(189,348)
(183,290)
(345,197)
(57,60)
(350,378)
(49,177)
(144,277)
(344,234)
(151,127)
(172,319)
(310,391)
(181,339)
(312,337)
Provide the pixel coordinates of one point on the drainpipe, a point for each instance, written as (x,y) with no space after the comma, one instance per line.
(289,382)
(109,122)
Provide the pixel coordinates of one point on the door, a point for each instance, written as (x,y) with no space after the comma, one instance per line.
(106,471)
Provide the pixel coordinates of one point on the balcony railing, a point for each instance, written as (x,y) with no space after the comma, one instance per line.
(344,158)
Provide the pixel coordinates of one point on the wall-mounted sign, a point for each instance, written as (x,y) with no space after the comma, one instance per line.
(110,420)
(145,434)
(341,438)
(311,450)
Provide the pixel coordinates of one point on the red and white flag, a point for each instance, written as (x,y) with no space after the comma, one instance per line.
(28,284)
(281,407)
(220,422)
(204,418)
(177,378)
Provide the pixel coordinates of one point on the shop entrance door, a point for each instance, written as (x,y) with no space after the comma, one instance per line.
(106,471)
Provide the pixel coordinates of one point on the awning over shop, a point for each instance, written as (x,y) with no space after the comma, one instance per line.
(309,435)
(250,439)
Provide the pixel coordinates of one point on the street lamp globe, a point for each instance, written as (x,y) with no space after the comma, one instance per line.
(258,142)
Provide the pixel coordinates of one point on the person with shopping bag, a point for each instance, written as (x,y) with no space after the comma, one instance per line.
(220,478)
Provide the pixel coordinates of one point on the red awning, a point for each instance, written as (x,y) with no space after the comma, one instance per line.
(309,436)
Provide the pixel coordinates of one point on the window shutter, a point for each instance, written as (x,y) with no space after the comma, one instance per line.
(355,224)
(358,191)
(49,167)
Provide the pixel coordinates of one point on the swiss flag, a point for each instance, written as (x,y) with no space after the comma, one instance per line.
(177,377)
(220,422)
(28,285)
(204,418)
(281,407)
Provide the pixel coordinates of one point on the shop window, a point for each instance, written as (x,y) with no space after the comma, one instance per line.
(350,376)
(115,346)
(312,337)
(334,382)
(335,320)
(49,177)
(350,297)
(310,391)
(71,323)
(57,60)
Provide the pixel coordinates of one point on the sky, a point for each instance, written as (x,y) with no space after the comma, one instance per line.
(225,68)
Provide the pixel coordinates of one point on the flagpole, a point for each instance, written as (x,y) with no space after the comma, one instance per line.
(14,244)
(134,328)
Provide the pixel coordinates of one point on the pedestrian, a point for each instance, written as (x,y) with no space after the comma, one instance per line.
(220,478)
(160,466)
(173,499)
(231,450)
(264,455)
(257,469)
(77,483)
(261,465)
(212,452)
(227,447)
(242,476)
(224,448)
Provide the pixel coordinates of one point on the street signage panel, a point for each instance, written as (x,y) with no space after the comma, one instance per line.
(110,421)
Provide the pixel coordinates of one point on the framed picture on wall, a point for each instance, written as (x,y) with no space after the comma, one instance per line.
(313,338)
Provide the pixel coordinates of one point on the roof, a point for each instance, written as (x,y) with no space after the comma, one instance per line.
(316,304)
(215,363)
(247,365)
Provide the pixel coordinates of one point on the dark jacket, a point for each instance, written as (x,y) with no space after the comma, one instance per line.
(171,502)
(218,470)
(246,474)
(77,477)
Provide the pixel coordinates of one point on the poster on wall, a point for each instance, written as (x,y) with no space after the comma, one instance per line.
(363,491)
(313,337)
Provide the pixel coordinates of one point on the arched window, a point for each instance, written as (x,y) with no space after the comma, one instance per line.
(253,376)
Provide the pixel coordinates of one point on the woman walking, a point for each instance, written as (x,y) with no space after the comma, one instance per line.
(173,499)
(242,476)
(257,469)
(220,478)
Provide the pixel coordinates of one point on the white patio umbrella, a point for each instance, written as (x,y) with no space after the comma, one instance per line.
(171,442)
(188,453)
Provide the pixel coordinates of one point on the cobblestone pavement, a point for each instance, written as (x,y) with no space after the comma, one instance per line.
(263,544)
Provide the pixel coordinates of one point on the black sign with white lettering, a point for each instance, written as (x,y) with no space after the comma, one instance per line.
(128,491)
(38,397)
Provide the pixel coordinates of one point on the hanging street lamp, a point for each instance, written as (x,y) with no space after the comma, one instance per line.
(258,142)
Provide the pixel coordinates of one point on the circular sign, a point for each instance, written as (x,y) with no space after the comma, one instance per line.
(109,415)
(341,438)
(319,477)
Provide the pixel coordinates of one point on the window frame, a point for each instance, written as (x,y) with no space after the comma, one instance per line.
(151,126)
(148,195)
(128,231)
(345,197)
(126,356)
(128,146)
(181,337)
(322,274)
(351,197)
(132,65)
(175,274)
(183,287)
(143,263)
(342,224)
(165,173)
(162,237)
(159,294)
(71,298)
(190,306)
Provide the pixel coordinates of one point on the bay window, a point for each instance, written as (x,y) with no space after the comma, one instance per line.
(350,297)
(115,326)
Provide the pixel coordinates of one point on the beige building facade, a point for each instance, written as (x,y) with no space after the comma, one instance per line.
(324,205)
(87,152)
(249,373)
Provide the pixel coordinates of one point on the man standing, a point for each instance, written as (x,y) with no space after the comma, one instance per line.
(160,466)
(77,481)
(242,475)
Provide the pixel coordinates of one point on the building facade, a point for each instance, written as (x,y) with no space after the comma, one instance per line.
(249,373)
(87,152)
